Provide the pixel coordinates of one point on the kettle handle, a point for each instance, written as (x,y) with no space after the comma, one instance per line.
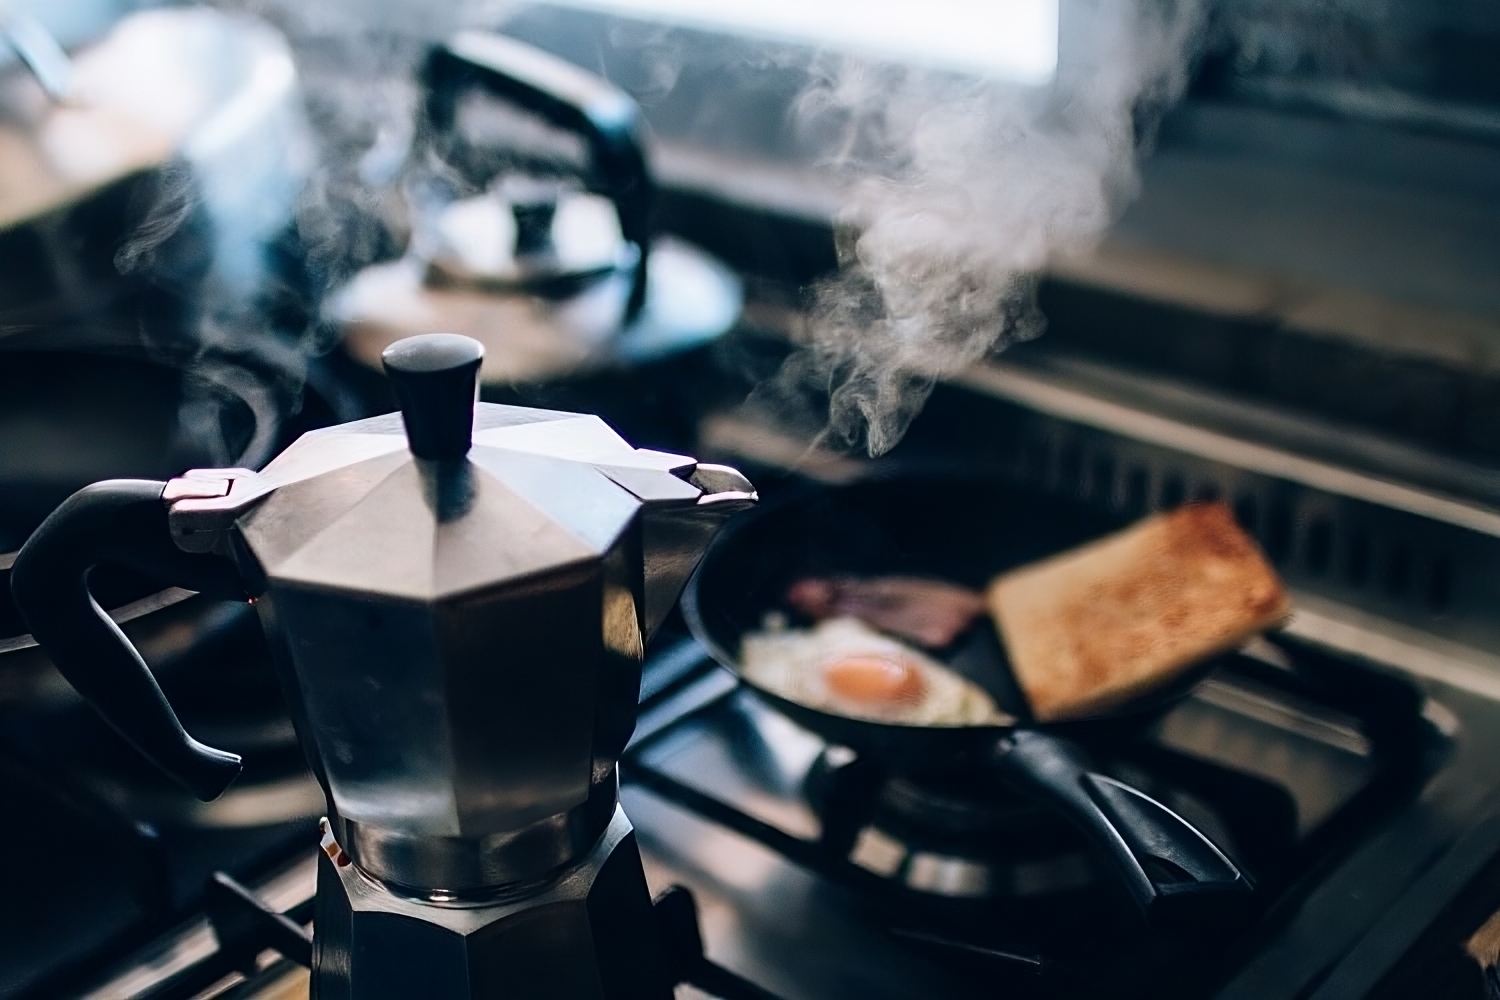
(120,521)
(606,117)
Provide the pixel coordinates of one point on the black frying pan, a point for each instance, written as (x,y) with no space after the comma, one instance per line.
(966,531)
(73,417)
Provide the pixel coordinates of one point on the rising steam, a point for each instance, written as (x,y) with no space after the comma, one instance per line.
(961,192)
(959,189)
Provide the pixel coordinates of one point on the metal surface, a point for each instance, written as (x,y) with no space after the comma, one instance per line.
(216,92)
(263,950)
(587,933)
(554,281)
(1082,442)
(1412,556)
(530,545)
(778,908)
(421,863)
(186,948)
(528,235)
(723,795)
(690,300)
(455,599)
(771,912)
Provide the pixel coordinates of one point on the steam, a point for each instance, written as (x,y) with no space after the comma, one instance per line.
(961,191)
(256,319)
(356,67)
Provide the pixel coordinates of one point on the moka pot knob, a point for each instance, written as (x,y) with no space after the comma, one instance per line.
(436,380)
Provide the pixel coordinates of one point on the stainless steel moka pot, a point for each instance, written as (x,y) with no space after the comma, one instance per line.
(457,597)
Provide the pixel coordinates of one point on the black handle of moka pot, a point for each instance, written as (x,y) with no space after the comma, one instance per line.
(121,522)
(607,118)
(1172,872)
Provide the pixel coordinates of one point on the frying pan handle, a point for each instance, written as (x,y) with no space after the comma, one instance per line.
(1171,871)
(120,521)
(603,115)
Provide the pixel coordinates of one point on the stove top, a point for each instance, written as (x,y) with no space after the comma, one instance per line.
(1346,763)
(1285,757)
(814,874)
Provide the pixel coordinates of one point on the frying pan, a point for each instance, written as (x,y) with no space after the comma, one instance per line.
(964,530)
(172,166)
(73,417)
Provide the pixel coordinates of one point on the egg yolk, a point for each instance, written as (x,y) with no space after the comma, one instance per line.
(874,679)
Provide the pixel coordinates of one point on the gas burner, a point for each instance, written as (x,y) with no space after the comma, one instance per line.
(993,889)
(957,835)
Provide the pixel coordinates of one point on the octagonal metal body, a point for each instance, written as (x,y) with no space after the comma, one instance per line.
(460,640)
(588,934)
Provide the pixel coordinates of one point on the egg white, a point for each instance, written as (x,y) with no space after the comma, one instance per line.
(790,662)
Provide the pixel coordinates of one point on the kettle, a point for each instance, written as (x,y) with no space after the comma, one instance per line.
(557,273)
(457,598)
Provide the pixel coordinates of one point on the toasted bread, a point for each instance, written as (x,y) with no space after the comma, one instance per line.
(1099,625)
(1483,945)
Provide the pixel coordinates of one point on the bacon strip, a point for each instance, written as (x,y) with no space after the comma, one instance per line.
(930,613)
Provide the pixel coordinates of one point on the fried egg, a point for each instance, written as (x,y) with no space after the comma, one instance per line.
(843,666)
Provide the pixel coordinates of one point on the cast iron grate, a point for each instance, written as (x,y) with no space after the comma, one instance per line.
(1000,940)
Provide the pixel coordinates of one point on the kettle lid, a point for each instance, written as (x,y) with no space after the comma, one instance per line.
(446,497)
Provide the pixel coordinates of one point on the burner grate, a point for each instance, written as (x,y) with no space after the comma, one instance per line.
(707,746)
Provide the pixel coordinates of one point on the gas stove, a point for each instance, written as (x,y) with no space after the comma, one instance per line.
(1286,757)
(1268,325)
(812,874)
(1346,762)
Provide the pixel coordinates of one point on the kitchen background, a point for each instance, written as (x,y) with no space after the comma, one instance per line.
(1116,255)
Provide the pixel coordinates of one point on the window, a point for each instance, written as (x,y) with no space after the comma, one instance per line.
(1014,40)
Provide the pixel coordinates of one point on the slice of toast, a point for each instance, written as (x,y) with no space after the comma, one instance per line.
(1099,625)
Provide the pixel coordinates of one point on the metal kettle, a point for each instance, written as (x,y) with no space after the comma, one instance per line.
(457,596)
(551,258)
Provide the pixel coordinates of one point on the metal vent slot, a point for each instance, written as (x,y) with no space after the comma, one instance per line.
(1356,556)
(1440,583)
(1394,551)
(1317,549)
